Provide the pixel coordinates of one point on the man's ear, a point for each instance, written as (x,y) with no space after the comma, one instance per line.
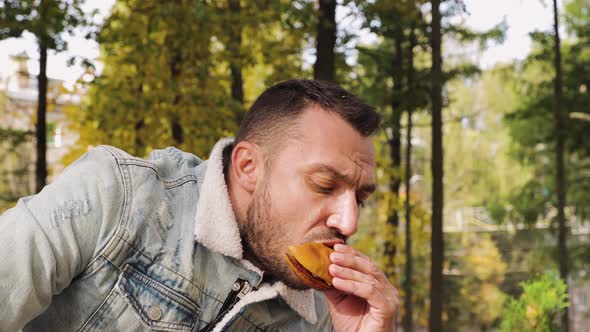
(246,165)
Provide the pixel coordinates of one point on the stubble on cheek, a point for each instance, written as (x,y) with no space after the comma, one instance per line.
(265,241)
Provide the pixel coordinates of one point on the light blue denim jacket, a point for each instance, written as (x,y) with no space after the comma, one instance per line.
(118,243)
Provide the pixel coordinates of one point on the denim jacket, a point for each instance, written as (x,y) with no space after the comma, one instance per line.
(117,243)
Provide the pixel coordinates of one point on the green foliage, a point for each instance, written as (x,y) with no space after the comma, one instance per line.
(15,160)
(531,122)
(166,78)
(47,20)
(374,232)
(538,307)
(481,170)
(476,271)
(161,85)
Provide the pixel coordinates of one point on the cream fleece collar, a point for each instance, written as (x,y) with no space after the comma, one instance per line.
(216,228)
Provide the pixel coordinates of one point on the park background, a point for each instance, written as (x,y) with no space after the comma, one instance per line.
(483,160)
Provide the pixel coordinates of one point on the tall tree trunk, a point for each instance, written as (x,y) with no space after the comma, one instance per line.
(139,142)
(408,322)
(324,67)
(437,242)
(175,126)
(235,66)
(395,140)
(140,122)
(41,126)
(559,156)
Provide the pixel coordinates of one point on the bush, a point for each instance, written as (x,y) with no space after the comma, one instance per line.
(538,307)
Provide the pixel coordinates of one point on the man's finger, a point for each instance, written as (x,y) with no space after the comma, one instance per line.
(348,274)
(348,250)
(358,263)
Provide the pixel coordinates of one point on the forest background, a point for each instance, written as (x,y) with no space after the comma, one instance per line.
(481,214)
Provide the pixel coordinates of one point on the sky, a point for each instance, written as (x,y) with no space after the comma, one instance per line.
(522,17)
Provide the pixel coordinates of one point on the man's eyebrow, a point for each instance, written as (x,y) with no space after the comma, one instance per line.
(321,167)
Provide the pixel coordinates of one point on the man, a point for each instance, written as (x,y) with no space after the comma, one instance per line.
(177,244)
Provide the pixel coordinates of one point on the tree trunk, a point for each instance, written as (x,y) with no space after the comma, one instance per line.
(408,322)
(437,243)
(41,126)
(324,67)
(176,127)
(395,140)
(140,122)
(559,160)
(139,143)
(235,66)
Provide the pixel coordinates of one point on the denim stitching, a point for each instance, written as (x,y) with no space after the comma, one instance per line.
(98,312)
(132,272)
(170,294)
(164,267)
(169,184)
(258,328)
(110,244)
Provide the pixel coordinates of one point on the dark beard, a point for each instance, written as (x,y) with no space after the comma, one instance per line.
(262,240)
(265,241)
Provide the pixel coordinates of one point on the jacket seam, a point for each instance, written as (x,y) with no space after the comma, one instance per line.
(111,244)
(98,309)
(169,184)
(166,290)
(91,267)
(131,247)
(243,316)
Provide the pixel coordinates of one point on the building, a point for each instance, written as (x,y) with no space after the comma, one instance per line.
(18,111)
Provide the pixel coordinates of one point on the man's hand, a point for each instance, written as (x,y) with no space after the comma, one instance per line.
(363,298)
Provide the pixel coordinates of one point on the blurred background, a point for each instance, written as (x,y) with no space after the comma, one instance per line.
(483,161)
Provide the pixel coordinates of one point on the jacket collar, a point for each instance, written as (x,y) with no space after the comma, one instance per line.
(216,228)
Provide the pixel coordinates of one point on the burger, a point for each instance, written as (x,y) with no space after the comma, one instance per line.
(309,262)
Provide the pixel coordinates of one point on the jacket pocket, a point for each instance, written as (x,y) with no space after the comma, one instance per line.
(140,303)
(158,306)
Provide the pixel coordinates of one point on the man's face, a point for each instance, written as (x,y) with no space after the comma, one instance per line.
(311,193)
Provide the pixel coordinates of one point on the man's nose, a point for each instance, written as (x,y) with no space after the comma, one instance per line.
(345,214)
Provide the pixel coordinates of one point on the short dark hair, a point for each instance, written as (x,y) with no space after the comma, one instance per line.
(274,112)
(272,116)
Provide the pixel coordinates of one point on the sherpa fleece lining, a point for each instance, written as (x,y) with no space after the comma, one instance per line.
(216,228)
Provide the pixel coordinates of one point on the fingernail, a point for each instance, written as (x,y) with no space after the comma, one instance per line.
(339,247)
(336,256)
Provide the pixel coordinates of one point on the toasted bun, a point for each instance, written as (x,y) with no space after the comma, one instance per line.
(310,262)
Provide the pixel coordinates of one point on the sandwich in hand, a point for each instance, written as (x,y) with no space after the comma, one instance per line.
(309,262)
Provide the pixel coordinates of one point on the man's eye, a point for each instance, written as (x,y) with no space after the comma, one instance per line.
(325,190)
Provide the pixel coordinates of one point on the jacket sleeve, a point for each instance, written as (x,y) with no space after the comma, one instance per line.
(48,239)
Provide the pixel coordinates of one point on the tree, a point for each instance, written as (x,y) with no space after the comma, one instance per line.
(47,20)
(234,46)
(408,322)
(175,75)
(387,87)
(393,21)
(324,66)
(437,242)
(560,127)
(478,270)
(162,82)
(543,299)
(14,160)
(532,126)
